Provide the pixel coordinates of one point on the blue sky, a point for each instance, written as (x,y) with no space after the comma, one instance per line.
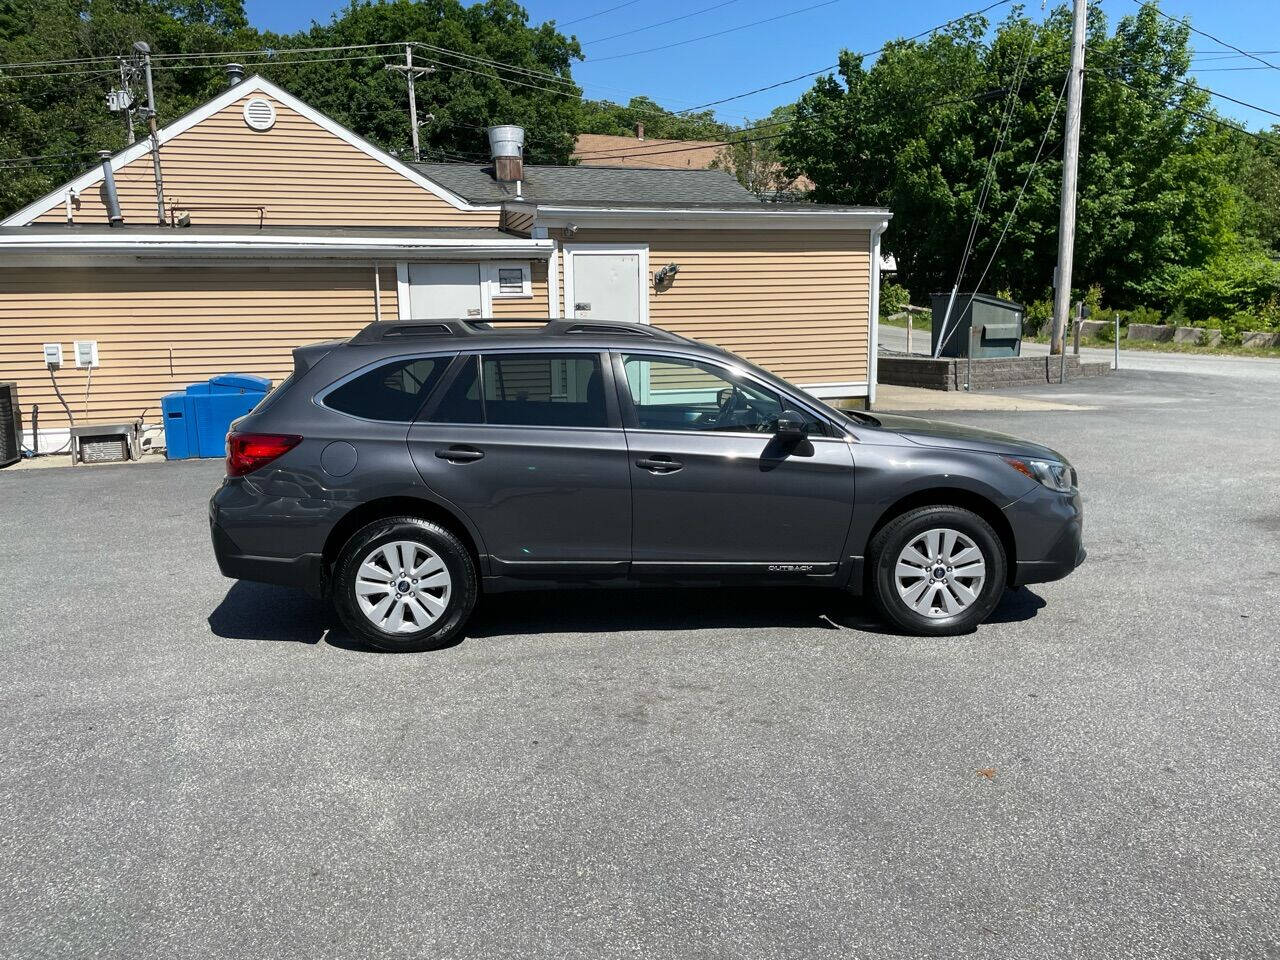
(704,70)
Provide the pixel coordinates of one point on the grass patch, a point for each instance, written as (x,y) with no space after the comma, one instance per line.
(923,321)
(1151,346)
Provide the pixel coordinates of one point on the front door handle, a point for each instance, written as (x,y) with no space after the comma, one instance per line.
(460,454)
(660,463)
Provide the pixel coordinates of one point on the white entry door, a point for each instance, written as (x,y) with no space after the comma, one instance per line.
(606,281)
(441,291)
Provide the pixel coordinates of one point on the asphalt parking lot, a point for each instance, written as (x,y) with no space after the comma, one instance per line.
(198,768)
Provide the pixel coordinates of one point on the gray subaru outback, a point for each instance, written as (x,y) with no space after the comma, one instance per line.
(406,471)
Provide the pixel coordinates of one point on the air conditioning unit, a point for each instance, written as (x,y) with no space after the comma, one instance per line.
(10,424)
(107,442)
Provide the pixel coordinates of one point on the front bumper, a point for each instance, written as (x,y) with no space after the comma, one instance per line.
(1048,530)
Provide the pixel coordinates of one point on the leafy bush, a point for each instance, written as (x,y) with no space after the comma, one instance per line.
(1140,314)
(1039,316)
(1244,280)
(893,299)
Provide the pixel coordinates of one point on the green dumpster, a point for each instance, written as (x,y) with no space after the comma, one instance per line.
(998,323)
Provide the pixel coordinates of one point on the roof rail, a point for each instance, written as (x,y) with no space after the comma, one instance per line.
(381,330)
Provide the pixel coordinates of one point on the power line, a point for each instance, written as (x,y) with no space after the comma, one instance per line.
(717,33)
(1204,33)
(1190,84)
(828,69)
(1181,108)
(1035,162)
(662,23)
(598,13)
(985,94)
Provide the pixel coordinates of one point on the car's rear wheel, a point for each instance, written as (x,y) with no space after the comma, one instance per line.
(404,584)
(937,570)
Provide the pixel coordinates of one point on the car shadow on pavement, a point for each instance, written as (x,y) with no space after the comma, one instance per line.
(256,611)
(260,611)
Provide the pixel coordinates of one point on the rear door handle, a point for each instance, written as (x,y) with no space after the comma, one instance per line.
(460,454)
(660,463)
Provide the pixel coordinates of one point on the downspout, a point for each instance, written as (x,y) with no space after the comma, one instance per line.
(873,333)
(377,292)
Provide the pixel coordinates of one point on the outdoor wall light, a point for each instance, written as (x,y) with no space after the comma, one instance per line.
(665,277)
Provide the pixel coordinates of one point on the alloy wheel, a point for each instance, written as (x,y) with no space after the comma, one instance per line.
(940,573)
(403,587)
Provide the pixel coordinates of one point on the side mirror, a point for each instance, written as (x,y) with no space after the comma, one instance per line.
(791,427)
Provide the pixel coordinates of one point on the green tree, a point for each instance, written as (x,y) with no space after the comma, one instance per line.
(58,114)
(915,133)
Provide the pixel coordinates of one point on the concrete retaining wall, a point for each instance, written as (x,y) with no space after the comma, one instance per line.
(1150,331)
(992,374)
(1260,339)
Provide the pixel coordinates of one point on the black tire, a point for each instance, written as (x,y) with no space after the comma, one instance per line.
(889,543)
(463,587)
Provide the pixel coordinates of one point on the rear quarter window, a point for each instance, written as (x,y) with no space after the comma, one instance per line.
(393,392)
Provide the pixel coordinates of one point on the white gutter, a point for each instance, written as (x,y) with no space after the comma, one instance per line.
(171,242)
(768,216)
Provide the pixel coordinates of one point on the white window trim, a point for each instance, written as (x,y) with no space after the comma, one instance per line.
(495,286)
(572,250)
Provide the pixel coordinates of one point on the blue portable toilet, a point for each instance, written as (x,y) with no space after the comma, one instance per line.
(202,414)
(179,426)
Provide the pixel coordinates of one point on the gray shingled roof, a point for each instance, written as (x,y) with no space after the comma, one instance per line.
(591,185)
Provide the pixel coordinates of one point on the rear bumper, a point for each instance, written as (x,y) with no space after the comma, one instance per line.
(304,570)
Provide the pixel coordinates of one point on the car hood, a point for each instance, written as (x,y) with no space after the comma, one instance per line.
(939,433)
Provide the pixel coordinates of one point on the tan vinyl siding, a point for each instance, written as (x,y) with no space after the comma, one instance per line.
(536,306)
(796,302)
(159,329)
(298,171)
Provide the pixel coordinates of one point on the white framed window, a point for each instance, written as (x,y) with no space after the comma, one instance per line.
(510,281)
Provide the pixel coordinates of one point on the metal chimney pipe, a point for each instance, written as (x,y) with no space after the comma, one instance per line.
(114,217)
(506,146)
(235,73)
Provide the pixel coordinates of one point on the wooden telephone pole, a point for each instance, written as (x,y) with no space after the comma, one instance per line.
(412,73)
(1070,168)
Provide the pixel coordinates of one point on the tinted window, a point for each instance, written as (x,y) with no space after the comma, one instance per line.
(394,391)
(460,402)
(673,394)
(542,389)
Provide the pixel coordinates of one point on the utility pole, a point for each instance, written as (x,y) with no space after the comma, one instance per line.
(144,52)
(412,73)
(1070,167)
(121,101)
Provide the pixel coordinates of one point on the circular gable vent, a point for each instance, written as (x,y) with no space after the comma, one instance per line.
(260,114)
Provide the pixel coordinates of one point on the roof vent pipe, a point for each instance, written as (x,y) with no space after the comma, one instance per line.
(506,146)
(114,217)
(235,73)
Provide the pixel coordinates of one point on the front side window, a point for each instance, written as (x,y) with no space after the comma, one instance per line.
(544,389)
(671,393)
(392,392)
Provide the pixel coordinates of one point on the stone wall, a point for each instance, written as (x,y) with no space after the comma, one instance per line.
(988,374)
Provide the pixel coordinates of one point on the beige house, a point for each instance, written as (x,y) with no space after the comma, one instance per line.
(275,226)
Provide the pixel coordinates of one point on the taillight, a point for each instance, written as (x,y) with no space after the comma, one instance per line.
(246,452)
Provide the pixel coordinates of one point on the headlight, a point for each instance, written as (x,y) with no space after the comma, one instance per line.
(1054,475)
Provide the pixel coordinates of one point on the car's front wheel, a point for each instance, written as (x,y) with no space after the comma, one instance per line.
(937,571)
(404,584)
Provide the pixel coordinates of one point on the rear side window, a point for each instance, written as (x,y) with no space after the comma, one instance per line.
(393,392)
(543,389)
(460,402)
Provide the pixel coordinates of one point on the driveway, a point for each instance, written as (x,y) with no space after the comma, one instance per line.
(199,768)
